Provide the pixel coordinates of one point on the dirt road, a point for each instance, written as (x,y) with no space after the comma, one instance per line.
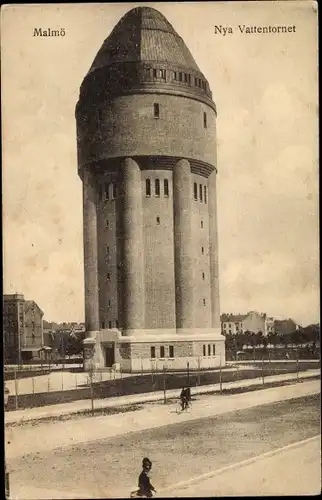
(109,467)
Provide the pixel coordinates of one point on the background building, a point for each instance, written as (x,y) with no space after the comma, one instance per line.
(253,322)
(22,329)
(146,132)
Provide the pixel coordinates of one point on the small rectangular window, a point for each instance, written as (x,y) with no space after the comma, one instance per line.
(110,324)
(213,349)
(204,350)
(204,302)
(200,192)
(209,350)
(195,191)
(166,187)
(107,223)
(202,250)
(103,325)
(157,187)
(147,187)
(116,323)
(156,110)
(109,302)
(201,224)
(107,188)
(158,221)
(205,194)
(205,120)
(203,276)
(154,73)
(107,250)
(180,77)
(152,352)
(108,276)
(162,352)
(114,190)
(171,351)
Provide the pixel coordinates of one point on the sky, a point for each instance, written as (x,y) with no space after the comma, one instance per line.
(265,89)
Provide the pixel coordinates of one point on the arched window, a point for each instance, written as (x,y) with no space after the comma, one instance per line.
(205,194)
(200,192)
(147,187)
(166,187)
(205,120)
(157,187)
(114,190)
(195,191)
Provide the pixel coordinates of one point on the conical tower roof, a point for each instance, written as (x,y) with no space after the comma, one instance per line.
(144,35)
(144,53)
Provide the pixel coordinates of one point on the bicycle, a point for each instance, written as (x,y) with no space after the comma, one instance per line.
(187,408)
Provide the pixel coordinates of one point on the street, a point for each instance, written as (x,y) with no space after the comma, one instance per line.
(294,470)
(180,451)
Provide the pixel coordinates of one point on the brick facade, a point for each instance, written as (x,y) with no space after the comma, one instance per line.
(146,133)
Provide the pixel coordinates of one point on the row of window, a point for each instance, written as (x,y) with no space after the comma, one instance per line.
(202,192)
(177,76)
(110,324)
(109,191)
(157,187)
(162,352)
(211,350)
(186,78)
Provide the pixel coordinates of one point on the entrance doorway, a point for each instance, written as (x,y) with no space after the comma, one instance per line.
(109,355)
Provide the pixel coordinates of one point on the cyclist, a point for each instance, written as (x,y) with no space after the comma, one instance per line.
(145,486)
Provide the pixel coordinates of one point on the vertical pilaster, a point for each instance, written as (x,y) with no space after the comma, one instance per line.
(183,261)
(213,251)
(132,253)
(90,255)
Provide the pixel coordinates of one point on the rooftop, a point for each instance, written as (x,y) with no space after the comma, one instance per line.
(144,34)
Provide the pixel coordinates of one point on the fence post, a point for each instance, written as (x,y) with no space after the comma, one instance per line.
(48,382)
(263,371)
(76,379)
(188,374)
(141,366)
(16,389)
(199,368)
(254,354)
(90,372)
(220,376)
(164,387)
(297,365)
(62,380)
(33,385)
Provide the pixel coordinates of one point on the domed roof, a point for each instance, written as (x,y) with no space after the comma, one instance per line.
(144,34)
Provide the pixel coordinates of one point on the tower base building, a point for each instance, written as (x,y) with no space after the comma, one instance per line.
(146,133)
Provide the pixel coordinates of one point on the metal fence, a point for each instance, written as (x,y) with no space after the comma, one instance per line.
(52,386)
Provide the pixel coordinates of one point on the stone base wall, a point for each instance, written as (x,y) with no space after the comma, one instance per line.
(153,353)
